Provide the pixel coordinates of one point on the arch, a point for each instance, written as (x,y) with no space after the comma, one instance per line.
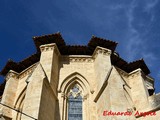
(75,103)
(20,97)
(75,78)
(64,90)
(19,103)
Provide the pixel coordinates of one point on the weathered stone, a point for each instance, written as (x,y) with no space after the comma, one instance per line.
(41,91)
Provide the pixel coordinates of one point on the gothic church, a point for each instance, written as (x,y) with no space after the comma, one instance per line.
(66,82)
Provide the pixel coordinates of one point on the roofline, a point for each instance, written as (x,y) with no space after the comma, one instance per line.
(74,50)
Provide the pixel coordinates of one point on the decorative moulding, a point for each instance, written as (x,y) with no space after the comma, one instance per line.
(77,58)
(101,50)
(122,72)
(136,73)
(27,71)
(11,74)
(49,47)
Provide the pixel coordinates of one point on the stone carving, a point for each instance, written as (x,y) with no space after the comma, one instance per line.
(75,91)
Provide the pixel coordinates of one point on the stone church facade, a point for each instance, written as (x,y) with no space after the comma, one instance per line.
(64,82)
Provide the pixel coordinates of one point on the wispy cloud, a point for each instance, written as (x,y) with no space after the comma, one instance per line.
(150,4)
(134,40)
(136,43)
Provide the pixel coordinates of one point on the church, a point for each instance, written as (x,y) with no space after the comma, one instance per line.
(75,82)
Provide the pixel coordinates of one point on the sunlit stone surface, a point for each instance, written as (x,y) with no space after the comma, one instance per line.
(77,83)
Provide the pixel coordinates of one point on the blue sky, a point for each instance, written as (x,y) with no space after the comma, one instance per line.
(134,24)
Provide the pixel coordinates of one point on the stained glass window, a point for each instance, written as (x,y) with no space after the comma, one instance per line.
(75,104)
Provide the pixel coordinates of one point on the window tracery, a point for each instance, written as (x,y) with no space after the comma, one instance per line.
(74,87)
(75,103)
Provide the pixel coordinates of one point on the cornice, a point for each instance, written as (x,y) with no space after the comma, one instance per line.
(136,73)
(150,79)
(101,50)
(49,47)
(77,58)
(95,46)
(27,71)
(122,72)
(87,58)
(24,73)
(11,74)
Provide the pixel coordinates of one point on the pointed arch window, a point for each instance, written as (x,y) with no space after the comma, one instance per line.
(74,98)
(75,103)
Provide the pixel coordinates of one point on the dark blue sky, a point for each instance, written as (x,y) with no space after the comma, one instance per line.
(134,24)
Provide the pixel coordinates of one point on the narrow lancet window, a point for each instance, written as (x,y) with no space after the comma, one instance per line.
(75,104)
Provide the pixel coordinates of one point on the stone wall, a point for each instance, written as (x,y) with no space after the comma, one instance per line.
(41,90)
